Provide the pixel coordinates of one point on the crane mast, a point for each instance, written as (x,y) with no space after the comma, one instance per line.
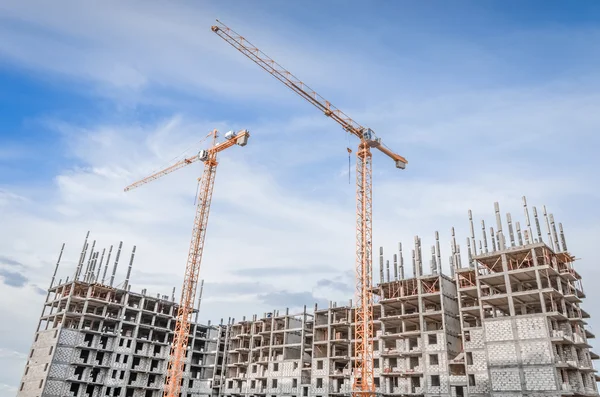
(363,383)
(190,281)
(179,345)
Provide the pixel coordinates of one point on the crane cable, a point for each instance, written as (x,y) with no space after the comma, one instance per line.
(185,151)
(197,188)
(349,161)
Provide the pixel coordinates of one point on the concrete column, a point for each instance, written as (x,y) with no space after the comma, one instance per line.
(106,265)
(437,251)
(470,253)
(86,274)
(485,246)
(57,264)
(537,225)
(381,277)
(472,232)
(562,237)
(510,229)
(511,305)
(550,241)
(112,277)
(555,234)
(520,238)
(493,238)
(499,225)
(387,271)
(528,238)
(81,257)
(539,285)
(401,265)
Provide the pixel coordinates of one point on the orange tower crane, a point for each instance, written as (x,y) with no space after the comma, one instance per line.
(363,383)
(192,268)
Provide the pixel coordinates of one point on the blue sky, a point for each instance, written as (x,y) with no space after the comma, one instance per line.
(488,100)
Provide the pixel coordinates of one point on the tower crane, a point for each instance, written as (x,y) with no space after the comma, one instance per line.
(192,270)
(363,382)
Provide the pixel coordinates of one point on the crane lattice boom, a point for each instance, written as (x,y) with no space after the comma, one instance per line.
(295,84)
(192,268)
(363,383)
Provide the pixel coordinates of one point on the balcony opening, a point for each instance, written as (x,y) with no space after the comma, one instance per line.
(471,380)
(432,339)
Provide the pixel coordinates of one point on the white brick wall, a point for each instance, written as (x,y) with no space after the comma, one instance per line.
(441,341)
(498,330)
(531,328)
(537,352)
(541,378)
(482,383)
(443,388)
(58,370)
(479,361)
(476,341)
(54,388)
(505,379)
(502,353)
(64,354)
(69,337)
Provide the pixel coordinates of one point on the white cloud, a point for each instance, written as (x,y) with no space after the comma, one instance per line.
(126,50)
(4,353)
(7,390)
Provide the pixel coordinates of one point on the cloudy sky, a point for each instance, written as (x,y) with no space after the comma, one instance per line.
(489,101)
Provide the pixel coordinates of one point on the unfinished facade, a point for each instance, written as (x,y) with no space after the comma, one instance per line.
(333,350)
(420,333)
(523,328)
(94,339)
(269,355)
(508,323)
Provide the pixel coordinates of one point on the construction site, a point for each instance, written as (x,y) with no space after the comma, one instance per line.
(505,320)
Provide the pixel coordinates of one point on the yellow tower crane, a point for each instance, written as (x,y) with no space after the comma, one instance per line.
(192,268)
(363,382)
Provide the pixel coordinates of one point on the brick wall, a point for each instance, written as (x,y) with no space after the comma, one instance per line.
(531,328)
(505,379)
(540,378)
(536,352)
(519,354)
(502,353)
(498,330)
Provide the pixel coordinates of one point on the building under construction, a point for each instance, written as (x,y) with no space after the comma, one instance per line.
(97,339)
(505,322)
